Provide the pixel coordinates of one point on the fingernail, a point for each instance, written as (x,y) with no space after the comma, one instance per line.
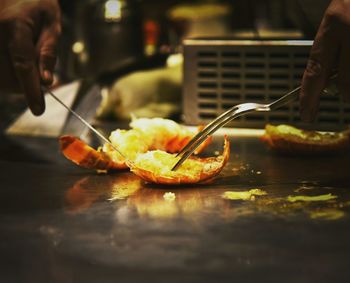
(38,107)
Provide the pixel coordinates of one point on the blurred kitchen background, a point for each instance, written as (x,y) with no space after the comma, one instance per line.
(128,54)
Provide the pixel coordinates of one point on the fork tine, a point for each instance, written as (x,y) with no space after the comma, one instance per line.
(200,137)
(226,117)
(230,114)
(204,132)
(218,123)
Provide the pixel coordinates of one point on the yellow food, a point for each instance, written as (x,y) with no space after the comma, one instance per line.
(149,148)
(311,198)
(155,166)
(288,139)
(328,214)
(169,196)
(244,195)
(146,134)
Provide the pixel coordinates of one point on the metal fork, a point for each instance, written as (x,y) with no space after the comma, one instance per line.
(239,110)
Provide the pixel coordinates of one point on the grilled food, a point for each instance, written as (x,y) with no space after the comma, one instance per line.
(288,139)
(149,146)
(155,167)
(144,135)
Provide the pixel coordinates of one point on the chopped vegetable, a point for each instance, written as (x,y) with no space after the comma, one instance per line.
(169,196)
(244,195)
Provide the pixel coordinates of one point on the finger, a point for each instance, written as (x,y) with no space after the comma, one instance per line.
(47,54)
(321,61)
(23,56)
(47,45)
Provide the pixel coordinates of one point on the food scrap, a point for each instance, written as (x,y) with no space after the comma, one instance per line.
(325,197)
(169,196)
(327,214)
(244,195)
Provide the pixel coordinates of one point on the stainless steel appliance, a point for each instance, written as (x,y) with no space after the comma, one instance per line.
(220,73)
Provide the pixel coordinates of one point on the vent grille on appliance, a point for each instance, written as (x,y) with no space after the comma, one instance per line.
(219,75)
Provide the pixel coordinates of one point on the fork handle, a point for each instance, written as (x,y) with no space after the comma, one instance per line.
(294,94)
(290,96)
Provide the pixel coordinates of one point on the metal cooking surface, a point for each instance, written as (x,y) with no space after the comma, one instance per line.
(59,223)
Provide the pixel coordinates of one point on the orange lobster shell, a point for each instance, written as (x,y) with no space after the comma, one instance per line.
(85,156)
(149,143)
(155,167)
(290,140)
(145,135)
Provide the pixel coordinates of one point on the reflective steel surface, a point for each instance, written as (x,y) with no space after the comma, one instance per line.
(60,223)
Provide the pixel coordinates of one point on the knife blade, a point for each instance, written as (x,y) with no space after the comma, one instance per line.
(86,123)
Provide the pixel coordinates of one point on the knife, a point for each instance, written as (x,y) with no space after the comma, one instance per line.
(86,123)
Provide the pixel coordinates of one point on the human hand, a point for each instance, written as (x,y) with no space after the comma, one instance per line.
(29,31)
(330,52)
